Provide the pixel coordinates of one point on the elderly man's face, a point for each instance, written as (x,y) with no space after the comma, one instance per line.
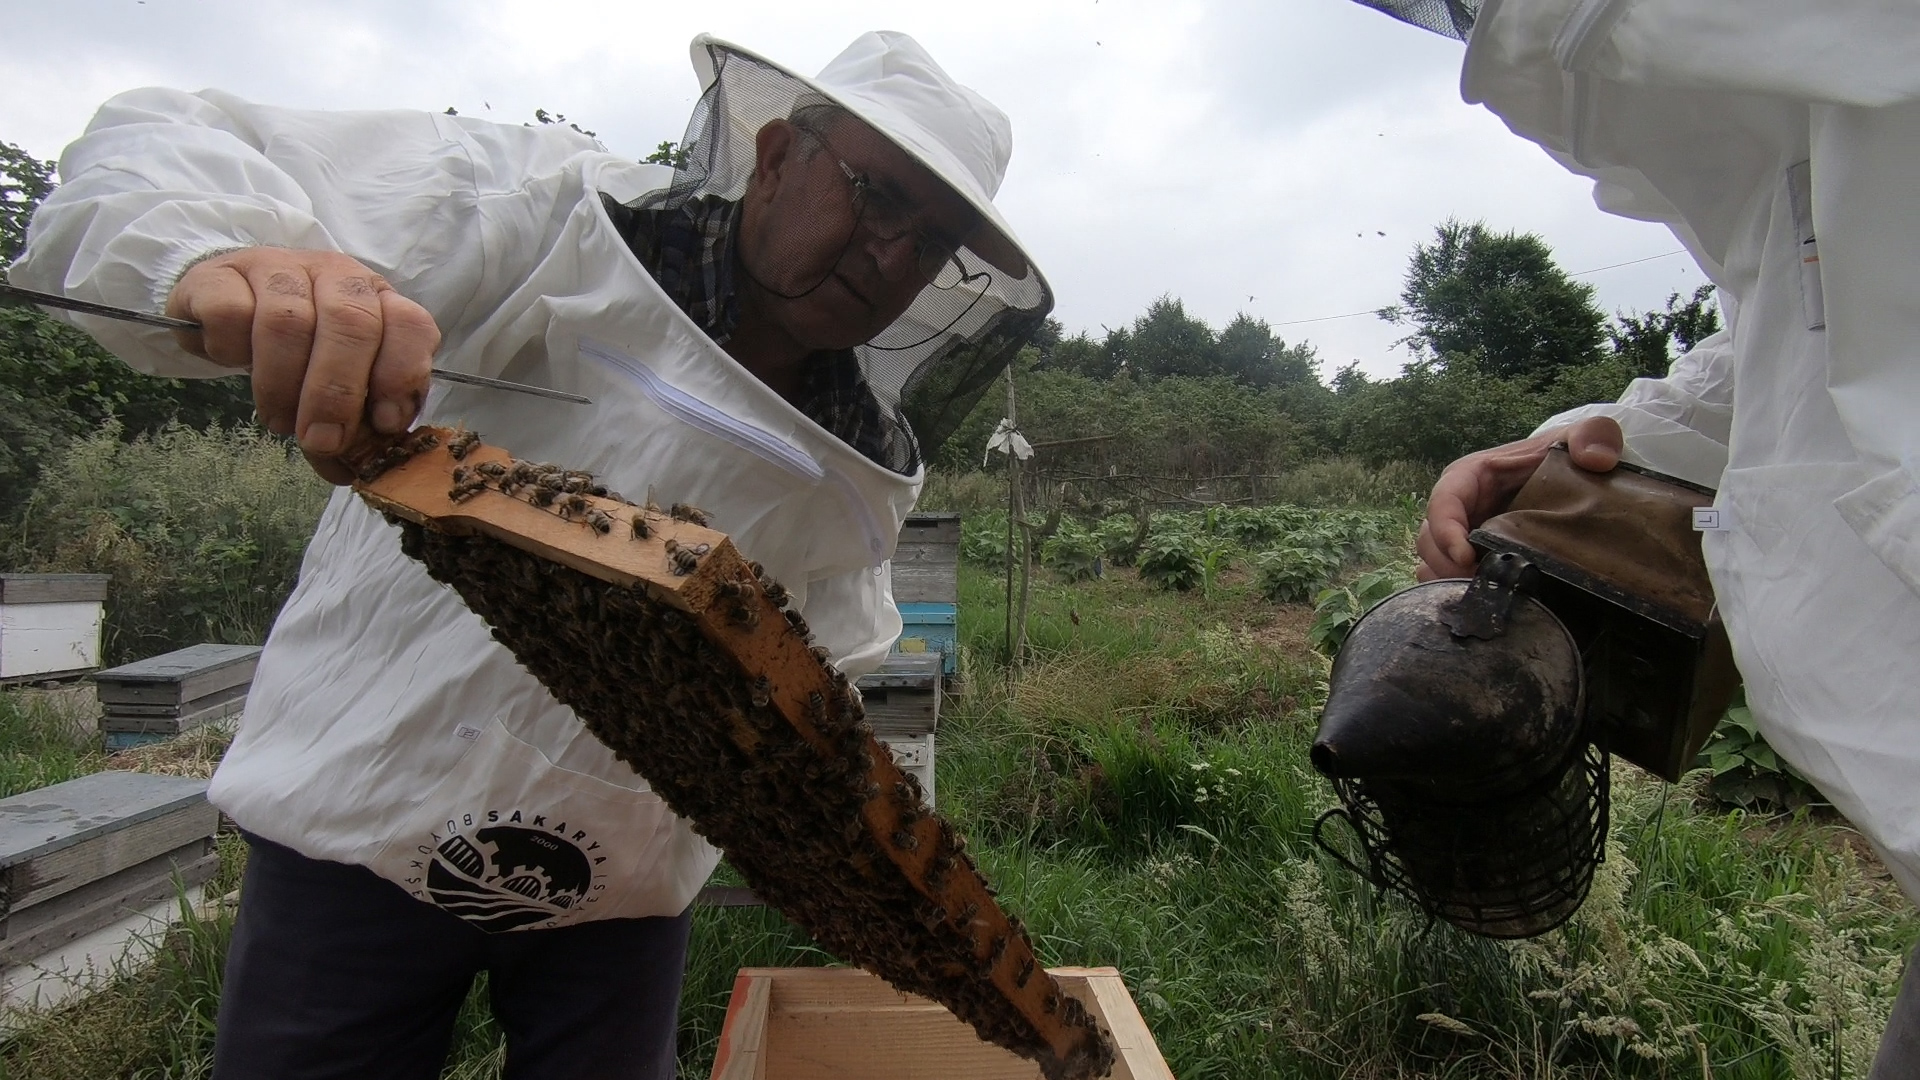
(799,235)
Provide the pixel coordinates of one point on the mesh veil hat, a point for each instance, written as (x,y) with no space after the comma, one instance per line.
(928,368)
(887,80)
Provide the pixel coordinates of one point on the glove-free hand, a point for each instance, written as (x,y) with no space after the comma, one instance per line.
(336,354)
(1480,485)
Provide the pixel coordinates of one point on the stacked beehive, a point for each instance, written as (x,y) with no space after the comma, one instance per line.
(902,702)
(50,625)
(926,585)
(164,696)
(89,869)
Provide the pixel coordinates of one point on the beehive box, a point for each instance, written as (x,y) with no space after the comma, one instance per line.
(164,696)
(927,559)
(845,1024)
(88,870)
(926,586)
(902,702)
(50,624)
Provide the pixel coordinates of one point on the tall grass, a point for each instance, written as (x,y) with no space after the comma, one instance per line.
(1134,821)
(202,532)
(1140,794)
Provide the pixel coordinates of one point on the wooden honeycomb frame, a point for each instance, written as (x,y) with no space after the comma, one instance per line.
(942,935)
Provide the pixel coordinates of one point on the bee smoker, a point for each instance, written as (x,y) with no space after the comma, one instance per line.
(1469,724)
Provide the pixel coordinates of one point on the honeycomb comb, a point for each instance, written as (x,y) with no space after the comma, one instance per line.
(680,656)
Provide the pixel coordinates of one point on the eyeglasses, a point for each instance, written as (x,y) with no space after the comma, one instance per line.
(936,260)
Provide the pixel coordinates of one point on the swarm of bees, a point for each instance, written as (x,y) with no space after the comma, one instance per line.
(794,810)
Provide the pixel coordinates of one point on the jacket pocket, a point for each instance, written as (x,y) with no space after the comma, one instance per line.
(509,841)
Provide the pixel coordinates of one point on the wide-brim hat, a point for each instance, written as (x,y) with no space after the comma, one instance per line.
(887,80)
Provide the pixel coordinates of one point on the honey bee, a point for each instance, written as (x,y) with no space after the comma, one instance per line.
(1024,973)
(641,530)
(690,514)
(462,443)
(904,840)
(574,505)
(684,560)
(465,488)
(492,470)
(777,593)
(762,692)
(600,520)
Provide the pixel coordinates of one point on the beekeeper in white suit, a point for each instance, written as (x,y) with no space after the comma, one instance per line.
(775,330)
(1781,143)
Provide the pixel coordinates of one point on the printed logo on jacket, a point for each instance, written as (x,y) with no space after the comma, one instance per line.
(508,869)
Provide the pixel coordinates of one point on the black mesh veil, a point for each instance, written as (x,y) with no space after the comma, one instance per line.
(1454,18)
(928,368)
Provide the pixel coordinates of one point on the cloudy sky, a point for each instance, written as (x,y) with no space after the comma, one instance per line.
(1279,157)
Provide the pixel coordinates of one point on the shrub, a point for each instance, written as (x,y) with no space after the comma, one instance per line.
(1337,609)
(1073,550)
(202,531)
(1294,575)
(1174,561)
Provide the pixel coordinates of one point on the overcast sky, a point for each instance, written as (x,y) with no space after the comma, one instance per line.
(1279,157)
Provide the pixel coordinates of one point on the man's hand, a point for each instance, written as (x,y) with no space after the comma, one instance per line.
(331,346)
(1481,485)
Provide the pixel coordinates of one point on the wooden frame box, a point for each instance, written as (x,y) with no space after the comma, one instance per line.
(50,624)
(926,560)
(845,1024)
(88,867)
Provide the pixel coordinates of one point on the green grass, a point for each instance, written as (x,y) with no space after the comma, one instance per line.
(1139,792)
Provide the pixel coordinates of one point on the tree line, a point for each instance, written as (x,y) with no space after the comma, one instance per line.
(1502,338)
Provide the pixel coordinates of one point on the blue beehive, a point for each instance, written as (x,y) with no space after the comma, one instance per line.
(926,586)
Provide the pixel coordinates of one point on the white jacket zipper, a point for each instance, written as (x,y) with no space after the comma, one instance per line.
(762,444)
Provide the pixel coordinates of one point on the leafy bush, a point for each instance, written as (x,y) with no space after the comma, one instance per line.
(1337,609)
(1294,575)
(1174,560)
(983,539)
(1073,550)
(1746,771)
(1118,535)
(202,532)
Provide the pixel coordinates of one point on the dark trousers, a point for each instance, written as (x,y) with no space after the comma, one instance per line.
(336,972)
(1899,1056)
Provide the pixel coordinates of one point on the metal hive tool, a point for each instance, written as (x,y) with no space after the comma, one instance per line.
(680,656)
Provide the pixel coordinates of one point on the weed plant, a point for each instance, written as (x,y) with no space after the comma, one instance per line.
(1139,791)
(202,532)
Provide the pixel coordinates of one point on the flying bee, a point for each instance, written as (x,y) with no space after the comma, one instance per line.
(462,443)
(641,530)
(600,520)
(689,513)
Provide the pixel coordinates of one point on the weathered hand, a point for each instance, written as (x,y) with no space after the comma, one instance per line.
(1480,485)
(330,344)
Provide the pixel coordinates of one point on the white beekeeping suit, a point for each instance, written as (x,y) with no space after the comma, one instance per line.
(1780,140)
(385,727)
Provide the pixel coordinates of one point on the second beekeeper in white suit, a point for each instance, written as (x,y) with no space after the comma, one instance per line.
(1780,142)
(777,329)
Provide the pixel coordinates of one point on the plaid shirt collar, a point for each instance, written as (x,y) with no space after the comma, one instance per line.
(689,250)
